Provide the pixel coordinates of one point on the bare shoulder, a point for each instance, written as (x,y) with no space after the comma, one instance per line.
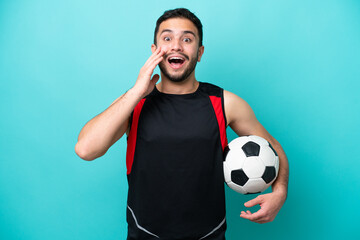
(236,108)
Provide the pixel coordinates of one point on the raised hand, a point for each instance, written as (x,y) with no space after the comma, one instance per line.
(144,83)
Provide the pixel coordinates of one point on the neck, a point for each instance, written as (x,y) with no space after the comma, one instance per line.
(189,85)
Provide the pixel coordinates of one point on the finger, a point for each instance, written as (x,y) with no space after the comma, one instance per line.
(156,62)
(156,59)
(260,220)
(159,54)
(247,213)
(252,202)
(251,217)
(256,216)
(155,78)
(154,55)
(243,213)
(148,69)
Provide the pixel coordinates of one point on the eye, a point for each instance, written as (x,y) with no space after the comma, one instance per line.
(167,39)
(187,40)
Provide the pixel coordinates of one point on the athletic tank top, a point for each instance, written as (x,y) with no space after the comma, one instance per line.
(175,166)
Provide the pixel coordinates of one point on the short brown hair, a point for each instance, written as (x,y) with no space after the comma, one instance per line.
(180,13)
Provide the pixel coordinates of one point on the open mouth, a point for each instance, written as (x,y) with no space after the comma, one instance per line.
(176,62)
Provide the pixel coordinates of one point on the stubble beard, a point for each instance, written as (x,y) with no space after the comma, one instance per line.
(182,77)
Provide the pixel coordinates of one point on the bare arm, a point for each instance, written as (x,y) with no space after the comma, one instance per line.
(101,132)
(242,120)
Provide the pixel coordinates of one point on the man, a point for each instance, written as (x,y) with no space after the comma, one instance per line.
(176,138)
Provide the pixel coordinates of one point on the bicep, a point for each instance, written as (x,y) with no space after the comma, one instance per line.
(241,118)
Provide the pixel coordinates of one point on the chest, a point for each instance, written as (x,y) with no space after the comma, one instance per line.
(169,120)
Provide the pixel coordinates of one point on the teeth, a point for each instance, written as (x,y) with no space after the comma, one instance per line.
(176,58)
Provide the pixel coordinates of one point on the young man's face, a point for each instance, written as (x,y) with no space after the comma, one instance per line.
(179,38)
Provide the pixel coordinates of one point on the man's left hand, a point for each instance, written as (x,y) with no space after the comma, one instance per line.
(270,205)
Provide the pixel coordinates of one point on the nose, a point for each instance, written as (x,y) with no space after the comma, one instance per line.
(176,45)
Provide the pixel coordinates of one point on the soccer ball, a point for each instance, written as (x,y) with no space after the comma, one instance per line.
(251,165)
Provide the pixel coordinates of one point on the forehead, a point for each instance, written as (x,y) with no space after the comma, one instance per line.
(178,25)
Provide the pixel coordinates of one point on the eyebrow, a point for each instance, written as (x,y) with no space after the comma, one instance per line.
(183,32)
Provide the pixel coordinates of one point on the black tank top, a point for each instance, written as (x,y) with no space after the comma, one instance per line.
(175,166)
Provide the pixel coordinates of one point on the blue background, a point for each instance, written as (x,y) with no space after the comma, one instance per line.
(63,62)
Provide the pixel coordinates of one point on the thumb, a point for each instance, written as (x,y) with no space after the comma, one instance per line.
(155,78)
(252,202)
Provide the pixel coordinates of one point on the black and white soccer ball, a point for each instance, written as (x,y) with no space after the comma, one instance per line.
(251,165)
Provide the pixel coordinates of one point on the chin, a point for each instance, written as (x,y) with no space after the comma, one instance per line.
(176,77)
(179,76)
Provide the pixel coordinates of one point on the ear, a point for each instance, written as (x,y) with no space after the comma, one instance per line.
(200,52)
(153,48)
